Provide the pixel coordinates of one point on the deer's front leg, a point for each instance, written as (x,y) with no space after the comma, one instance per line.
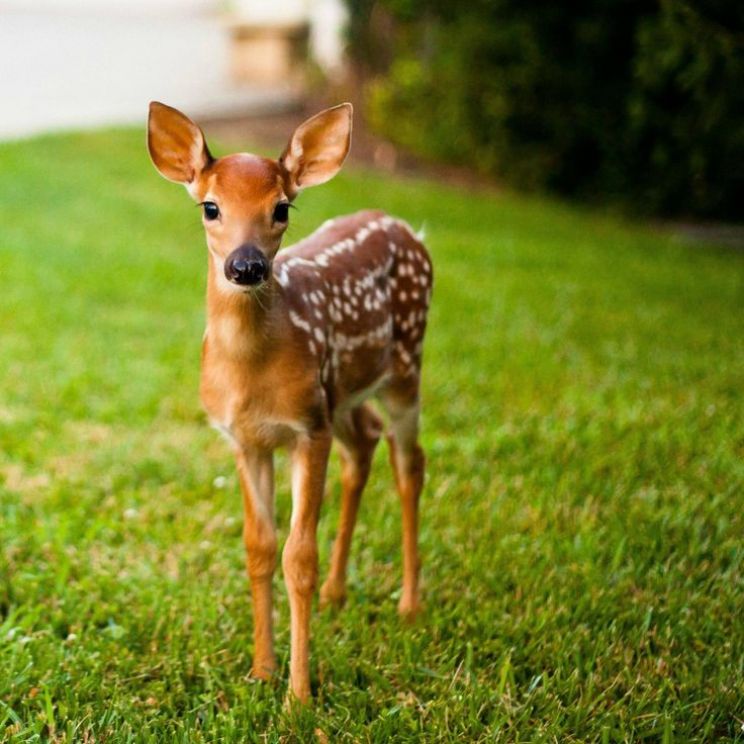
(256,470)
(300,557)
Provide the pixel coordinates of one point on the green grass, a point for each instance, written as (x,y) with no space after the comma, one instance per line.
(582,518)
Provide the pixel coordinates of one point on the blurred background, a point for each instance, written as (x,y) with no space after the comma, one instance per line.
(637,103)
(85,63)
(577,167)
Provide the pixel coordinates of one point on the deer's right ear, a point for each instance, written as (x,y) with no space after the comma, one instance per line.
(177,146)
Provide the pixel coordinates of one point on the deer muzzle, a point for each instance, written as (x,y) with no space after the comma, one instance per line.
(247,266)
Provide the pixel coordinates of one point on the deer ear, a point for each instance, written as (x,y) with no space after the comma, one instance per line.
(177,146)
(318,148)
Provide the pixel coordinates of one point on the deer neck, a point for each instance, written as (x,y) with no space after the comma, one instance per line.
(241,324)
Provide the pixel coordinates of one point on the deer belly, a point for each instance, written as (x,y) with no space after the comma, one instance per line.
(354,398)
(358,374)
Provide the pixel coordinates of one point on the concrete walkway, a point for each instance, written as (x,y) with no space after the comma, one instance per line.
(87,66)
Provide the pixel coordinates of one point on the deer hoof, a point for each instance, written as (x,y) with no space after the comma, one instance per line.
(409,608)
(296,699)
(263,669)
(332,594)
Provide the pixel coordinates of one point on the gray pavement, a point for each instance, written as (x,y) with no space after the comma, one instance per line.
(85,66)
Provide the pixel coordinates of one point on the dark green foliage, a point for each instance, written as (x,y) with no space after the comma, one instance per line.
(686,111)
(636,100)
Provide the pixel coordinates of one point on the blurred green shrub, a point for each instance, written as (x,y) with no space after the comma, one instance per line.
(629,99)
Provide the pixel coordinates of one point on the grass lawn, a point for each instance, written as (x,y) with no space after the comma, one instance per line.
(582,518)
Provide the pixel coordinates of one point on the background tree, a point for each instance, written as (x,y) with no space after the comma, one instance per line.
(636,100)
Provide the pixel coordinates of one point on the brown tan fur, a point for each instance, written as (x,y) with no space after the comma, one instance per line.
(289,362)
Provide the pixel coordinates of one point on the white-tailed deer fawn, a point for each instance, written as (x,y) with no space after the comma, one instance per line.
(295,343)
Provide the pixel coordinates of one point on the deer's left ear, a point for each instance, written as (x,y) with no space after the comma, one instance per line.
(317,149)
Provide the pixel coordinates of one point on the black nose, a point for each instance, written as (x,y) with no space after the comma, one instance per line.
(247,266)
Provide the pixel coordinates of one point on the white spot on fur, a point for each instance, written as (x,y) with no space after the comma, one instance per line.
(299,321)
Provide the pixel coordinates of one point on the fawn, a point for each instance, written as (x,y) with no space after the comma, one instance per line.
(295,342)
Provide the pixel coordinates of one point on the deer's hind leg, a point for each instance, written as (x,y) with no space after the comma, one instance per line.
(357,433)
(407,458)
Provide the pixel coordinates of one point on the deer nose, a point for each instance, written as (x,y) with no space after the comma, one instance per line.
(247,266)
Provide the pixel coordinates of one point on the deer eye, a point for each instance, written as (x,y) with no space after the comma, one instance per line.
(281,212)
(211,210)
